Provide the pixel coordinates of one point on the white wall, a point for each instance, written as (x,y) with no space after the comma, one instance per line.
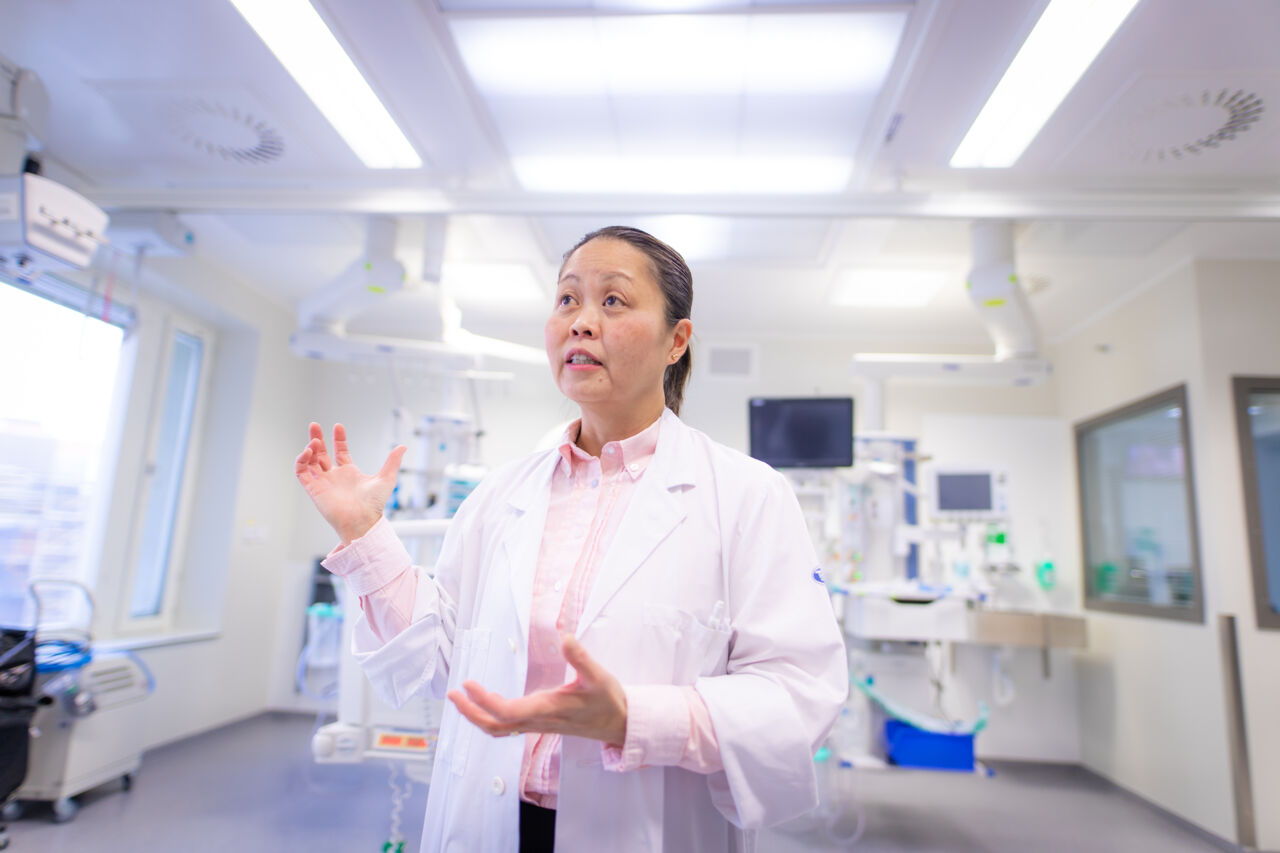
(1239,308)
(803,368)
(1041,723)
(1152,715)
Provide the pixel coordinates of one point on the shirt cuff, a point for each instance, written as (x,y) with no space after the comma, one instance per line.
(657,729)
(370,562)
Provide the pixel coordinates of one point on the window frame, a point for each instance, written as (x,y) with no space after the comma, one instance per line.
(165,621)
(1174,396)
(1242,388)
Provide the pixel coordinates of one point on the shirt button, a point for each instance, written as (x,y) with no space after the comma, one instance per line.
(611,450)
(595,483)
(498,785)
(554,648)
(559,586)
(634,466)
(511,641)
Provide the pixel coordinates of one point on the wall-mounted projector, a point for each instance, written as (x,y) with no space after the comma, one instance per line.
(45,226)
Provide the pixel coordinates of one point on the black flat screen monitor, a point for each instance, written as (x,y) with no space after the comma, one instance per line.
(810,432)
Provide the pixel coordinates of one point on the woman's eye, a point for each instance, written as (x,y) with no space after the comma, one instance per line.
(611,301)
(564,299)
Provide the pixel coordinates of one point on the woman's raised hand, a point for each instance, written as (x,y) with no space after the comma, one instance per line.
(349,500)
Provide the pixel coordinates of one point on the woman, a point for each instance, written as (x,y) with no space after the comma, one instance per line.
(629,628)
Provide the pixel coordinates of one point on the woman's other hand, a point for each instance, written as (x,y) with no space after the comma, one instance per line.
(593,705)
(349,500)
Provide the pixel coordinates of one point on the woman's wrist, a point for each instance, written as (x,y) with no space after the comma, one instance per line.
(351,532)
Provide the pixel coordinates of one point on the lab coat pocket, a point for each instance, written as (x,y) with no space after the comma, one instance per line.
(470,659)
(698,649)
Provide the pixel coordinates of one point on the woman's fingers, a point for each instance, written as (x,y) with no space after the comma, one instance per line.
(302,466)
(391,467)
(340,451)
(589,672)
(480,717)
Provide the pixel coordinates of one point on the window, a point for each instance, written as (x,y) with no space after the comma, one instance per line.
(1137,510)
(1258,422)
(164,493)
(58,372)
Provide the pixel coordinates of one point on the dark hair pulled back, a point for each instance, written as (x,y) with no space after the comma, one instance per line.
(676,283)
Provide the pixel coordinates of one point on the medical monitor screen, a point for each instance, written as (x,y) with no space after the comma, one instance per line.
(964,493)
(812,432)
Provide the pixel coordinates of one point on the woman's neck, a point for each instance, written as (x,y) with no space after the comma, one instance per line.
(599,427)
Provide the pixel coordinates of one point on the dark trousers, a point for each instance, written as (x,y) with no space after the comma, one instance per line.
(537,829)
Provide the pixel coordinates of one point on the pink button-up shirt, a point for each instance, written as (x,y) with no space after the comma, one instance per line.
(666,724)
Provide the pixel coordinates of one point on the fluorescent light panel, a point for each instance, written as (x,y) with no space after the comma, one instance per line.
(303,43)
(886,288)
(684,175)
(487,282)
(680,54)
(1062,45)
(696,238)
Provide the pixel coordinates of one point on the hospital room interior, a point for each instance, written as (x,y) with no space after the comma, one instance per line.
(993,284)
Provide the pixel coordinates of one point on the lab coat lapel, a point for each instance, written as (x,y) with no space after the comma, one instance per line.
(523,538)
(655,510)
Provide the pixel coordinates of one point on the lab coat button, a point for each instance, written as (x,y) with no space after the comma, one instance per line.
(511,641)
(498,785)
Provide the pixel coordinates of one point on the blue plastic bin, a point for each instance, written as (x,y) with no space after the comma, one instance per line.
(908,746)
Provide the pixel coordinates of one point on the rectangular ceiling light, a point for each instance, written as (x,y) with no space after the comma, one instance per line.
(712,64)
(680,54)
(1062,45)
(684,175)
(887,288)
(490,282)
(303,43)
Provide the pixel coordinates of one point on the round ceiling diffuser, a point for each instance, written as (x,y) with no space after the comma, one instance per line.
(1190,125)
(227,132)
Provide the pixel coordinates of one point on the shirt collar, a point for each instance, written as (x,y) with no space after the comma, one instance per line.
(632,454)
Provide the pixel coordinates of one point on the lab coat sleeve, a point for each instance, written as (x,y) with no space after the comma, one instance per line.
(417,657)
(787,672)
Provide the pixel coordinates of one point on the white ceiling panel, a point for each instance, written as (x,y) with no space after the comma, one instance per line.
(729,92)
(677,125)
(707,241)
(547,126)
(1098,239)
(830,124)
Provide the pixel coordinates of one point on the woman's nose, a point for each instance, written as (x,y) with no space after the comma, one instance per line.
(584,325)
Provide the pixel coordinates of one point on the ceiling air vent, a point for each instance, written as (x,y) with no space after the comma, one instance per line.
(1218,116)
(731,362)
(234,135)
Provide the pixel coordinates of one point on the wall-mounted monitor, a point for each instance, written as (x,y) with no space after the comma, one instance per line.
(804,432)
(969,494)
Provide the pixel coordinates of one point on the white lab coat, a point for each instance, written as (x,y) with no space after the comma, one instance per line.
(706,524)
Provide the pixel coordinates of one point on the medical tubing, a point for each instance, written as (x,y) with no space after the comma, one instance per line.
(398,795)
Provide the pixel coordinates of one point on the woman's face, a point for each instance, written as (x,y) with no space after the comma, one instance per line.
(607,337)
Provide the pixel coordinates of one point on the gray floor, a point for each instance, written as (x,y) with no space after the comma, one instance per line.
(253,787)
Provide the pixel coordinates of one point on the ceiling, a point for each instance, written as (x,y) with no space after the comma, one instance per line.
(152,99)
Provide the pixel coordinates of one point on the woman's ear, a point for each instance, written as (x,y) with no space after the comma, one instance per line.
(681,334)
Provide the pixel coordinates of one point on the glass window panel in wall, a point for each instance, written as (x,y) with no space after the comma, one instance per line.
(57,387)
(1258,410)
(165,471)
(1137,510)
